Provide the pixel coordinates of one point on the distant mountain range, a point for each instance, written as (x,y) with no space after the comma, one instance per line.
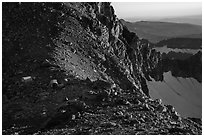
(191,19)
(157,31)
(195,19)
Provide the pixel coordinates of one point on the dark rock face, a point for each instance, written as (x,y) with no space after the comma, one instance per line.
(181,64)
(176,55)
(182,43)
(96,62)
(190,67)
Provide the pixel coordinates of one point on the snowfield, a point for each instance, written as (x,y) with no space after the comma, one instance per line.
(185,94)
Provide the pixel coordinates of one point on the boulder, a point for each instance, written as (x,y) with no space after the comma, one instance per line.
(53,83)
(27,79)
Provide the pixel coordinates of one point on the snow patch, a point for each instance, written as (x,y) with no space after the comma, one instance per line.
(185,94)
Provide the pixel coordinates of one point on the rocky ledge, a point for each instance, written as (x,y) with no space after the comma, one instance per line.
(73,68)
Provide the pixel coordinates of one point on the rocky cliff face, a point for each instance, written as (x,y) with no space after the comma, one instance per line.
(64,63)
(190,67)
(124,58)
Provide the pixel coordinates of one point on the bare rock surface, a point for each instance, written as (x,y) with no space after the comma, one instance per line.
(83,73)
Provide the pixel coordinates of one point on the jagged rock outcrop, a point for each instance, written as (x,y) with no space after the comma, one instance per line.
(99,65)
(190,67)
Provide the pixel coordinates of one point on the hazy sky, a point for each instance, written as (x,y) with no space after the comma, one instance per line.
(156,9)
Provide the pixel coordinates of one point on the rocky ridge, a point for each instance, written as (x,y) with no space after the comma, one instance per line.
(73,68)
(190,67)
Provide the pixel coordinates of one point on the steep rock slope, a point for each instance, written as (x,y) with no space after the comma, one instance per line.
(70,66)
